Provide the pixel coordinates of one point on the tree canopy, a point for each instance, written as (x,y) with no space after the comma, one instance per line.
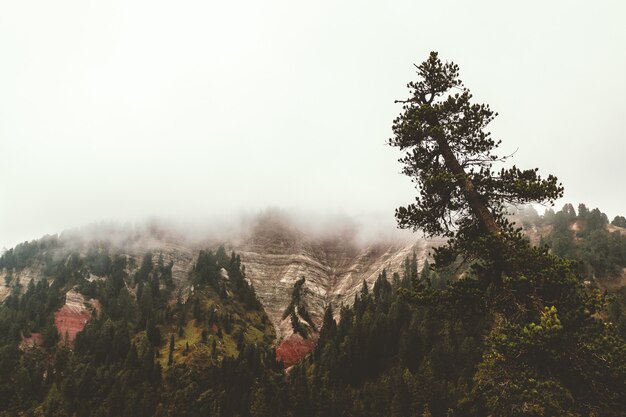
(450,157)
(541,354)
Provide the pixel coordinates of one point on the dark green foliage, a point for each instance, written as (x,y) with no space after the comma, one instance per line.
(619,221)
(63,382)
(382,289)
(561,240)
(535,362)
(97,259)
(297,326)
(329,328)
(165,271)
(409,275)
(244,290)
(617,311)
(604,252)
(583,212)
(114,367)
(596,252)
(386,354)
(31,313)
(208,270)
(26,253)
(595,220)
(449,156)
(50,335)
(143,274)
(505,329)
(297,308)
(153,333)
(535,369)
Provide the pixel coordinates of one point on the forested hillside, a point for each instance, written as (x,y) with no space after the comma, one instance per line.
(412,344)
(502,323)
(146,344)
(585,236)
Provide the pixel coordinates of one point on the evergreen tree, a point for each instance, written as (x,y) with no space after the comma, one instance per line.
(425,275)
(619,221)
(259,406)
(329,327)
(214,349)
(511,284)
(583,212)
(450,157)
(153,333)
(170,357)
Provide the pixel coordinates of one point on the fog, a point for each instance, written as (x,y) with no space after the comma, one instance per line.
(202,113)
(235,230)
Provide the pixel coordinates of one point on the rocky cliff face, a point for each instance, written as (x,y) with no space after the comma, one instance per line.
(11,279)
(275,253)
(72,317)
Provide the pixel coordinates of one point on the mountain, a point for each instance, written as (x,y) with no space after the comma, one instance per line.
(148,321)
(275,253)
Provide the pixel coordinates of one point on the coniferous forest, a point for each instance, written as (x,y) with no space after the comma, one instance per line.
(519,315)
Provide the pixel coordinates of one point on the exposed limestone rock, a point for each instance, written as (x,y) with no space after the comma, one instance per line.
(5,290)
(17,278)
(276,255)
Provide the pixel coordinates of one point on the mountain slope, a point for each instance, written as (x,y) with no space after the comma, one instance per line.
(274,252)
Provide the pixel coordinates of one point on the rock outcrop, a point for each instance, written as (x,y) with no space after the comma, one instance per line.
(276,254)
(74,315)
(19,279)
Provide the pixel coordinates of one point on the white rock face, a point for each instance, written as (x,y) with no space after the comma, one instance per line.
(19,278)
(276,255)
(75,302)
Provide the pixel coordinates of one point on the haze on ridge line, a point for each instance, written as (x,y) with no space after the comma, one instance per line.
(125,111)
(364,229)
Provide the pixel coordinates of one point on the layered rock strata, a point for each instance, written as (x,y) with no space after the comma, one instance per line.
(72,317)
(276,255)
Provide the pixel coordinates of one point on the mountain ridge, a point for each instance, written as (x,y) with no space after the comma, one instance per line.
(275,251)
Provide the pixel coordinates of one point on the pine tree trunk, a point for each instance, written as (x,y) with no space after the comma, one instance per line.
(474,199)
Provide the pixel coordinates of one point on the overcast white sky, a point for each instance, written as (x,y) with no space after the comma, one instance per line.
(122,110)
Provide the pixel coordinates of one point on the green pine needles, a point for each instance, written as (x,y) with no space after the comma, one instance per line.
(450,157)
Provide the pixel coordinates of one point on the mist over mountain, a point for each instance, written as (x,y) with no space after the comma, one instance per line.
(283,209)
(336,253)
(288,289)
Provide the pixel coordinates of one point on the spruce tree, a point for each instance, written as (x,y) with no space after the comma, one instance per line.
(170,358)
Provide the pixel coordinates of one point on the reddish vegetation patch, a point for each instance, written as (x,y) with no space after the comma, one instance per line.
(35,339)
(294,348)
